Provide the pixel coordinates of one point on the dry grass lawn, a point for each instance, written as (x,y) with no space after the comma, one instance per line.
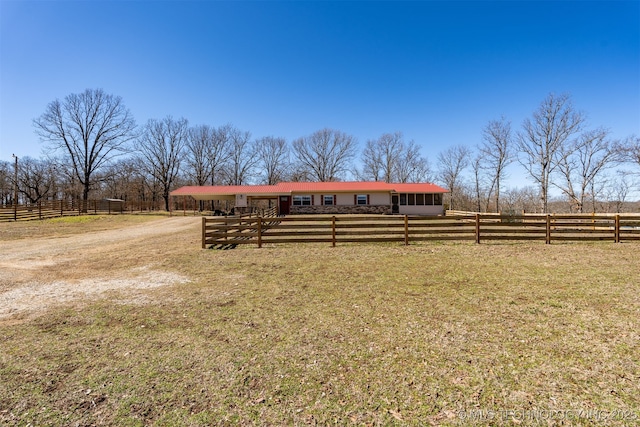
(124,320)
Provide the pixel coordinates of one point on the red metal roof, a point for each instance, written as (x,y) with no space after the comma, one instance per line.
(225,190)
(306,187)
(417,188)
(350,187)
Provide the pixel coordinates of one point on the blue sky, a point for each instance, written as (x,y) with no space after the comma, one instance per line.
(437,71)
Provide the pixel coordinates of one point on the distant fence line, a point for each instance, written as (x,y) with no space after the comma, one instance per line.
(406,229)
(58,208)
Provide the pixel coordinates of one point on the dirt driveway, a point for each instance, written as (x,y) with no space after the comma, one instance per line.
(39,273)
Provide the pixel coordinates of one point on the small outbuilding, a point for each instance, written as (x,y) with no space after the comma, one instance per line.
(112,205)
(328,197)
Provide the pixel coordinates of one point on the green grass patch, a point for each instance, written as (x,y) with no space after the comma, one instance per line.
(352,335)
(75,219)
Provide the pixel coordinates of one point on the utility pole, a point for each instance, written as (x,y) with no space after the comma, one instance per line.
(15,190)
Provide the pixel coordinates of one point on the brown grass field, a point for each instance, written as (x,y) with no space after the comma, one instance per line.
(125,321)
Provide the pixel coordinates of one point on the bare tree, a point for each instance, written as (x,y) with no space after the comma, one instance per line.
(197,159)
(542,138)
(219,152)
(35,179)
(123,181)
(629,150)
(478,184)
(390,159)
(465,197)
(497,154)
(68,187)
(161,146)
(452,163)
(372,163)
(273,157)
(207,152)
(300,173)
(411,166)
(619,191)
(6,183)
(381,156)
(633,149)
(91,128)
(147,187)
(581,162)
(522,199)
(325,155)
(242,157)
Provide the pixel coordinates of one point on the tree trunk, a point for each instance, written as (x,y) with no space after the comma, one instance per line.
(165,195)
(85,196)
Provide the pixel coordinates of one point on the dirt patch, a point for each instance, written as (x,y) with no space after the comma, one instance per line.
(36,274)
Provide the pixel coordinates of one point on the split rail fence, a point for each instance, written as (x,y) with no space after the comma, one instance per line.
(270,229)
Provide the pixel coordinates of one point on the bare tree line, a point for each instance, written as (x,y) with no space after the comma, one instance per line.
(558,151)
(96,150)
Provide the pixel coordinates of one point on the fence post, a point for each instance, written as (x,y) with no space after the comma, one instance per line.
(333,231)
(204,232)
(39,209)
(617,229)
(477,228)
(547,238)
(259,232)
(406,230)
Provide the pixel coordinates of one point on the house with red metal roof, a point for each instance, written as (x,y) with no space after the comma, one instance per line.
(328,197)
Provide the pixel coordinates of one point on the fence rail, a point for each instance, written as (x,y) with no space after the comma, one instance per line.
(238,228)
(59,208)
(262,230)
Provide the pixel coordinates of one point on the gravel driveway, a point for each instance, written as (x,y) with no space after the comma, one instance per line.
(39,273)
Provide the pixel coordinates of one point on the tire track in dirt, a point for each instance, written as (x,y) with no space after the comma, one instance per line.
(30,269)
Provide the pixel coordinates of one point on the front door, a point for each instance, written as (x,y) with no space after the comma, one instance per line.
(394,204)
(283,205)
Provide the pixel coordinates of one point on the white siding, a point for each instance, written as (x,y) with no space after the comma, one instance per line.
(421,210)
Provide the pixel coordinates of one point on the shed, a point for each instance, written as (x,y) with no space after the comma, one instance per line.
(111,205)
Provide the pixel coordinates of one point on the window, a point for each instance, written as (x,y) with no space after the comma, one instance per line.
(420,199)
(403,199)
(328,200)
(412,199)
(428,199)
(437,199)
(301,200)
(362,199)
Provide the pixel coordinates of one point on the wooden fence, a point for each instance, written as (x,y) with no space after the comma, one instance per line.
(59,208)
(235,227)
(406,229)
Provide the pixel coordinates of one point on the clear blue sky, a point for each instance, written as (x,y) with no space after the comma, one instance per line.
(437,71)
